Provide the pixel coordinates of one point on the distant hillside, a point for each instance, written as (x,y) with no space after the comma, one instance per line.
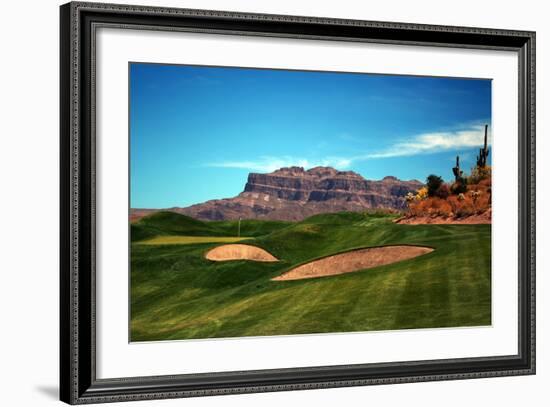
(170,223)
(165,223)
(293,193)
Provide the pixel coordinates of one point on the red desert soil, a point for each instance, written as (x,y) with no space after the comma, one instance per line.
(481,219)
(353,261)
(239,252)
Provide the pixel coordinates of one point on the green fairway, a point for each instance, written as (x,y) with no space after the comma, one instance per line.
(159,240)
(177,294)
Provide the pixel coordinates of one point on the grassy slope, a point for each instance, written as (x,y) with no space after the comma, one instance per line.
(162,240)
(177,294)
(249,227)
(174,224)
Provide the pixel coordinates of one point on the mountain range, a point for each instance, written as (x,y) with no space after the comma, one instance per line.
(293,193)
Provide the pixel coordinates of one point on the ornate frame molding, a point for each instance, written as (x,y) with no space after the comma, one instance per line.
(79,21)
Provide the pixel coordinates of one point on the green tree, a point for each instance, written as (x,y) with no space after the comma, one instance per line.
(433,182)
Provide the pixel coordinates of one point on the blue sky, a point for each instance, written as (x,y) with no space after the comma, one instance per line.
(196,132)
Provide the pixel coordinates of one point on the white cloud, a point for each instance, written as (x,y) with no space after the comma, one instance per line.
(434,142)
(270,164)
(426,143)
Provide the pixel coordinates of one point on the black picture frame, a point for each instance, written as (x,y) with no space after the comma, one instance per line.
(78,382)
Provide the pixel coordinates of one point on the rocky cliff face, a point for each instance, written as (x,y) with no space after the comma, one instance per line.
(294,193)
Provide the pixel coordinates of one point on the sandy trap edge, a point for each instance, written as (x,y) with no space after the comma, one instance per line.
(354,260)
(229,252)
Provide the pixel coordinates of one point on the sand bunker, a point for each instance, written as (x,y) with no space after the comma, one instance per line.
(353,261)
(239,252)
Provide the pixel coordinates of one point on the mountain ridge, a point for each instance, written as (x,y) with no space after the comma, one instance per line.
(293,193)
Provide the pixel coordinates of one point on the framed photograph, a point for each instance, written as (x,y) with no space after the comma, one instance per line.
(254,203)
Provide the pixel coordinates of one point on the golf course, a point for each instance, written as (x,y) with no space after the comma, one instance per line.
(192,279)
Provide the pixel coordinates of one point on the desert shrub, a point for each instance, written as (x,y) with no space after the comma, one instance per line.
(422,193)
(439,207)
(460,199)
(414,209)
(479,174)
(475,194)
(443,191)
(483,203)
(459,187)
(430,207)
(409,198)
(419,206)
(465,209)
(453,203)
(485,183)
(433,182)
(480,198)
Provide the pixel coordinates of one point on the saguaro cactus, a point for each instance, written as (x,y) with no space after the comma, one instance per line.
(457,171)
(483,152)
